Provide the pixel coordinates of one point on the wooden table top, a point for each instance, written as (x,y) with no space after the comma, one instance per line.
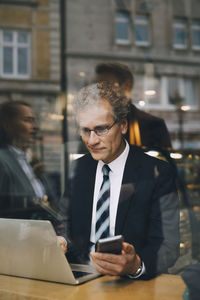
(163,287)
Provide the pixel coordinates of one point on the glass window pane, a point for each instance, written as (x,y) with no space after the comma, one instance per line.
(122,31)
(196,38)
(22,37)
(180,33)
(172,89)
(141,30)
(195,35)
(183,87)
(179,36)
(151,90)
(122,27)
(7,36)
(189,92)
(141,33)
(7,60)
(22,61)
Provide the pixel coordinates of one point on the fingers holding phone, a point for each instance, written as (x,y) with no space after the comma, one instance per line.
(115,264)
(110,245)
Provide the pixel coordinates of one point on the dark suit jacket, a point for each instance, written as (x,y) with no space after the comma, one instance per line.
(147,189)
(153,130)
(17,197)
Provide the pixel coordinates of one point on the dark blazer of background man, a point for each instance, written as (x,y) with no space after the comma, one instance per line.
(144,129)
(18,198)
(147,213)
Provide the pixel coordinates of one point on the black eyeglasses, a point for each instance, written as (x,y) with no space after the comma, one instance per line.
(99,130)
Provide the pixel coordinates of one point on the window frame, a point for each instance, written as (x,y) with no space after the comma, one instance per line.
(180,27)
(120,19)
(145,21)
(163,93)
(195,27)
(15,45)
(181,85)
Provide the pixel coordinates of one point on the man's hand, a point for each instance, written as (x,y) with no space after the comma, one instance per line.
(62,242)
(126,263)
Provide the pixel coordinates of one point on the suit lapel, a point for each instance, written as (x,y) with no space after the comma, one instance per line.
(84,211)
(89,205)
(127,192)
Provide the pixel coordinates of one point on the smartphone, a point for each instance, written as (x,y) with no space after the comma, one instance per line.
(110,245)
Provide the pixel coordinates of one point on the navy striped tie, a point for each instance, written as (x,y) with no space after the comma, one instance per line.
(103,204)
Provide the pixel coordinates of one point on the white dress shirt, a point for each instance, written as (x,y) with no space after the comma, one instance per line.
(116,174)
(26,167)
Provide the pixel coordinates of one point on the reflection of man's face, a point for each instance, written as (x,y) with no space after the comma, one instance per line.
(22,128)
(106,147)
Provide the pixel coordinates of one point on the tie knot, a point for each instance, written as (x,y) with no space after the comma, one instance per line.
(105,170)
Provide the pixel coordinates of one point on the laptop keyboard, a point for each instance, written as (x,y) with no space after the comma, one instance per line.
(78,274)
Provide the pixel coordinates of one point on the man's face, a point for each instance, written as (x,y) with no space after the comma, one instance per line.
(107,147)
(23,128)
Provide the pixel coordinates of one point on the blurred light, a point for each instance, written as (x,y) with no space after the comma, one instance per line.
(82,74)
(150,92)
(176,155)
(142,103)
(55,117)
(182,245)
(152,153)
(74,156)
(196,208)
(70,96)
(185,107)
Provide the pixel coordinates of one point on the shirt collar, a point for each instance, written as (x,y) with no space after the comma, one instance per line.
(17,151)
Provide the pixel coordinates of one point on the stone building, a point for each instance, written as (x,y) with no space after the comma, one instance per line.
(159,40)
(30,66)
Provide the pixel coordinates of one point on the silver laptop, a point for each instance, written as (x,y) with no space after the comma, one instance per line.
(29,248)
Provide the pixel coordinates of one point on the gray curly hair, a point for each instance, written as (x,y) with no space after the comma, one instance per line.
(94,93)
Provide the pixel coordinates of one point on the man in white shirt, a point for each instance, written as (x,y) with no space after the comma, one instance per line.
(143,202)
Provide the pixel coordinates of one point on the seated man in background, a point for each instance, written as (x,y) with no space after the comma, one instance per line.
(22,193)
(144,129)
(117,189)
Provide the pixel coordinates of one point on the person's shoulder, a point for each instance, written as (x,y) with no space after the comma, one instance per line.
(6,160)
(146,158)
(145,115)
(84,161)
(4,153)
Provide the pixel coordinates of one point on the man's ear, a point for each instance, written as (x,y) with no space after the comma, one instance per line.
(127,88)
(124,126)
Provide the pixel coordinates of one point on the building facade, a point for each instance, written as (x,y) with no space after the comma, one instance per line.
(30,67)
(159,40)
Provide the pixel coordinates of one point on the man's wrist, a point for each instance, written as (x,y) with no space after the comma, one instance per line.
(140,269)
(139,272)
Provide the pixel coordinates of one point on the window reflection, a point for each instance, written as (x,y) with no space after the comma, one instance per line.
(15,48)
(122,28)
(159,42)
(195,28)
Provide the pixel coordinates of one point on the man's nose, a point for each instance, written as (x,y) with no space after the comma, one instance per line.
(93,138)
(35,127)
